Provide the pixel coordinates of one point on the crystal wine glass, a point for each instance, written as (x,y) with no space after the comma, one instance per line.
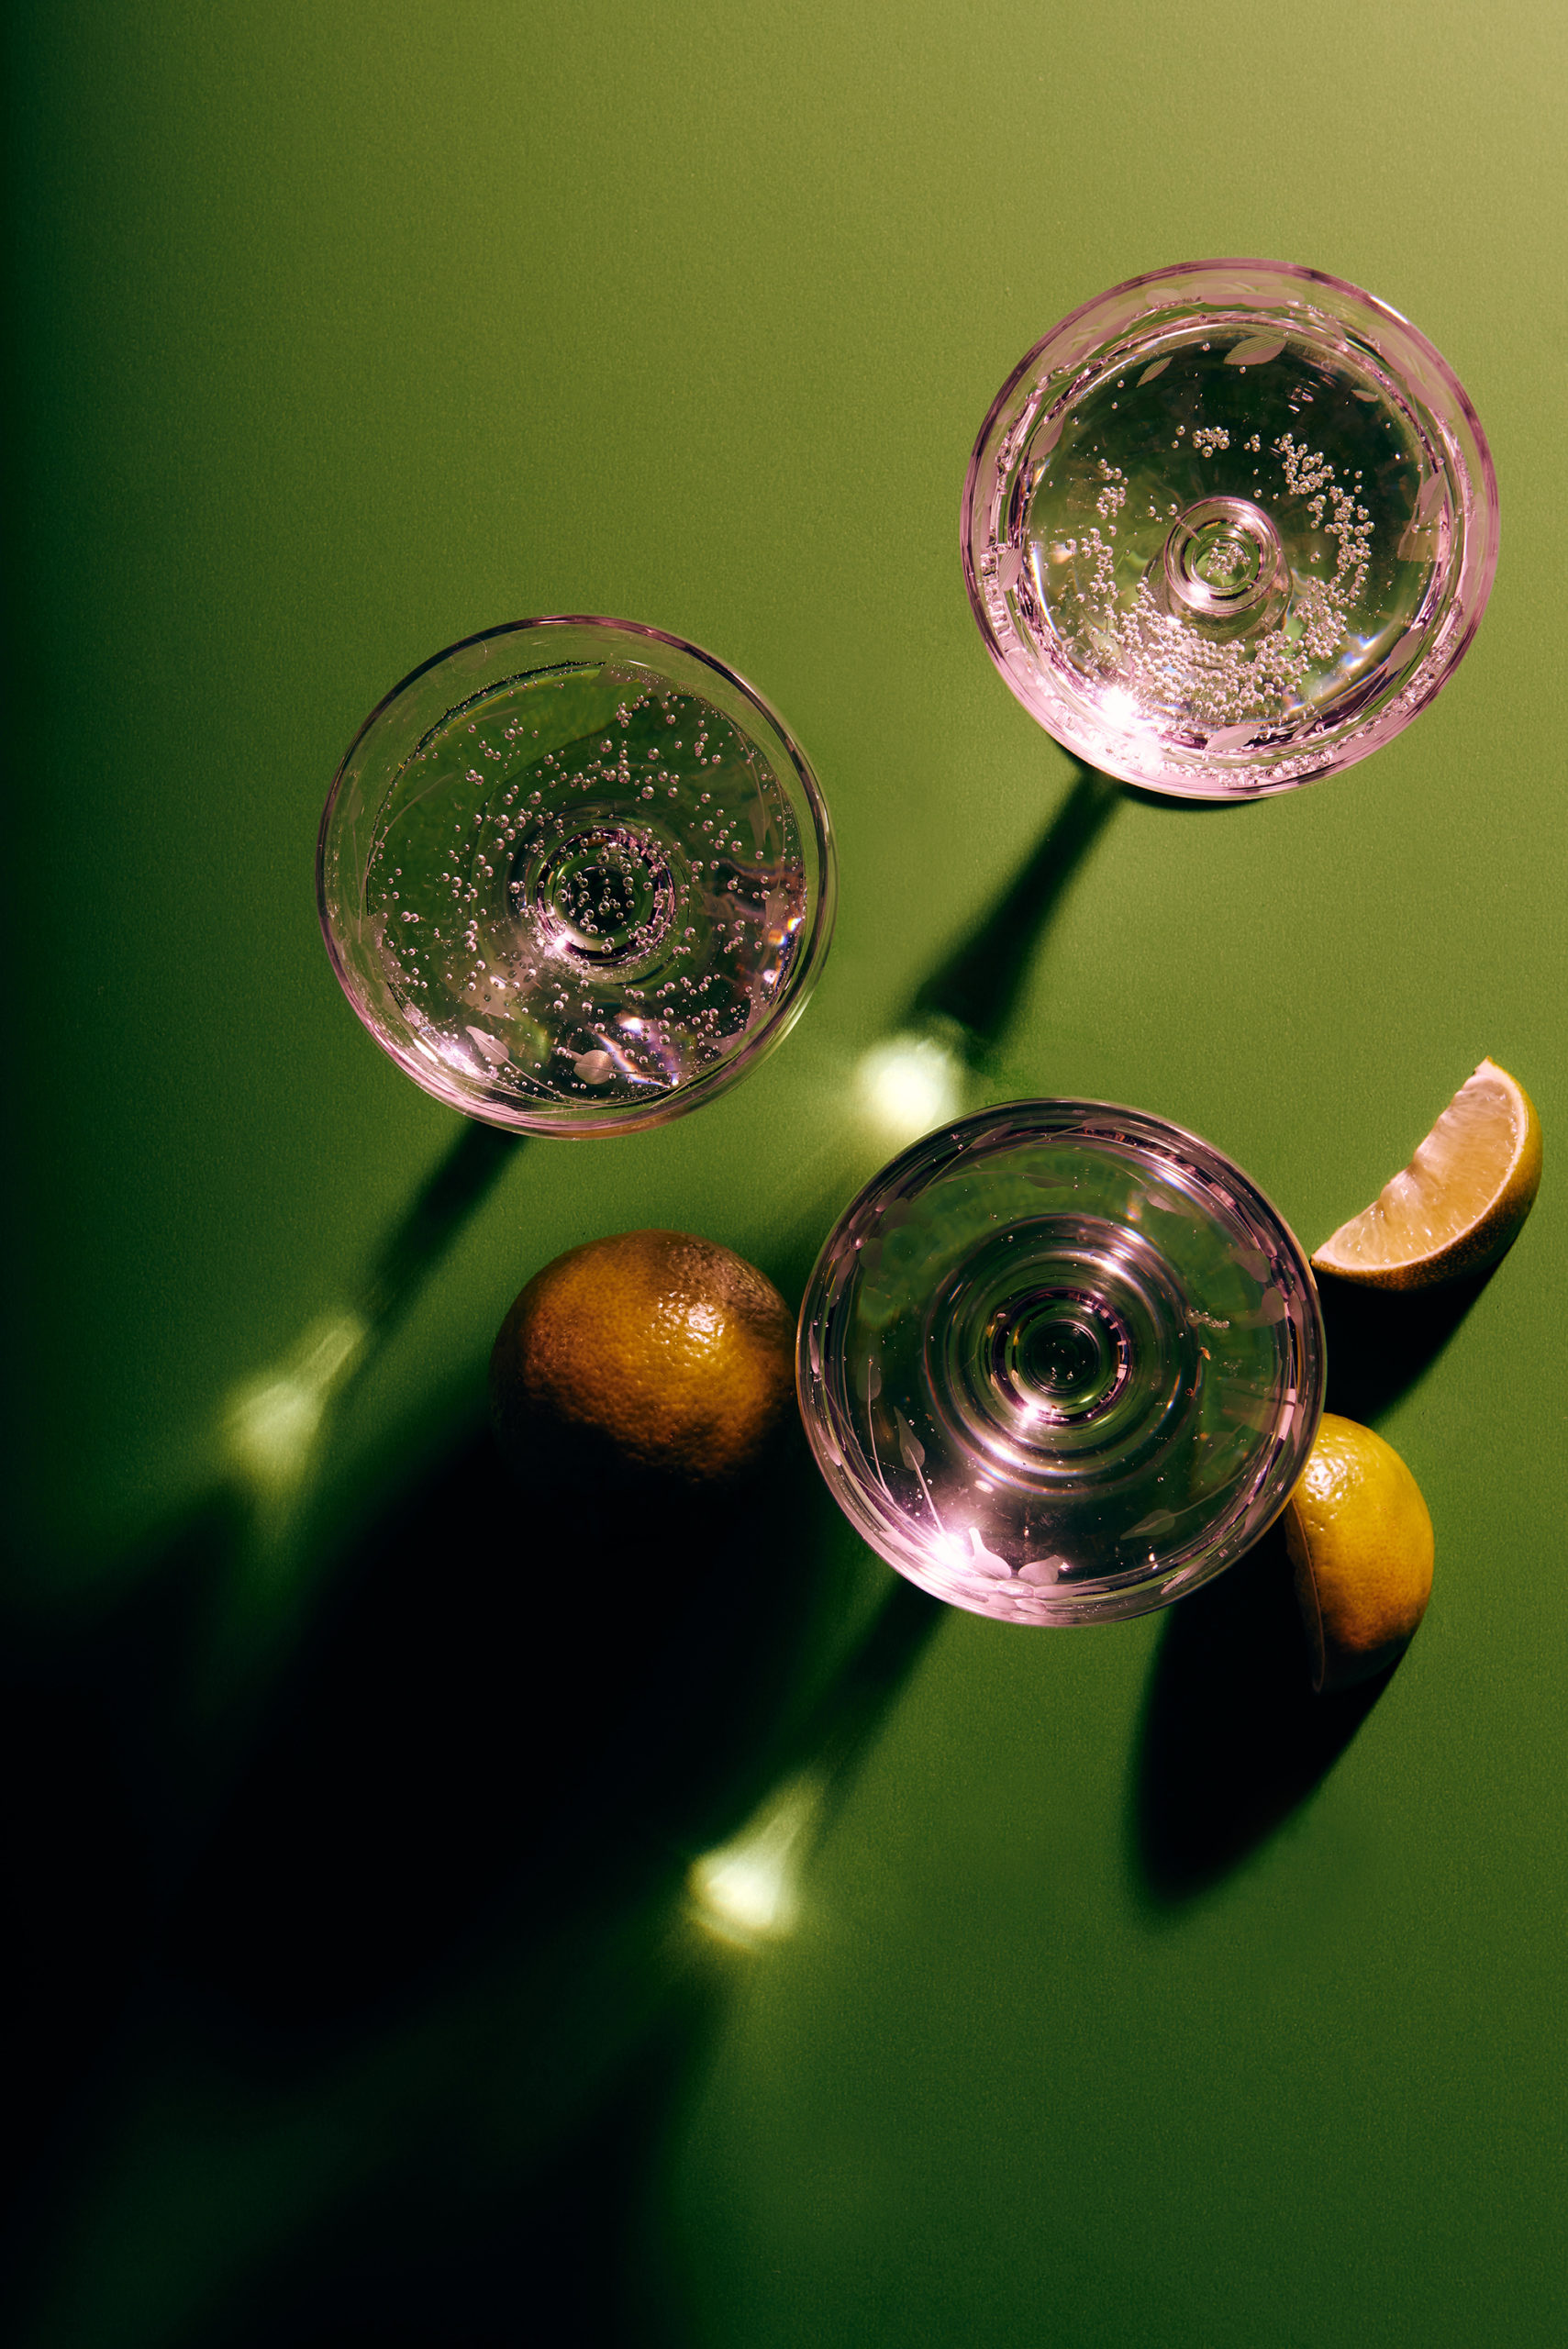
(1060,1362)
(575,876)
(1229,526)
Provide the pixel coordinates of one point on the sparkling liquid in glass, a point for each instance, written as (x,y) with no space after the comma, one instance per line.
(589,884)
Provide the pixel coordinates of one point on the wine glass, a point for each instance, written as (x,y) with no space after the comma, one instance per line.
(1229,526)
(575,876)
(1060,1362)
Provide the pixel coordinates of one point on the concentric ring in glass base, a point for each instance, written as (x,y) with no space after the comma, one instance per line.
(1060,1362)
(1229,526)
(575,876)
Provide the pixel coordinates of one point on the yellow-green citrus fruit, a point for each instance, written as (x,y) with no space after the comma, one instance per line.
(1459,1205)
(649,1355)
(1360,1541)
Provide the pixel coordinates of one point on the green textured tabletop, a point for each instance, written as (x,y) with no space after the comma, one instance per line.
(1114,1997)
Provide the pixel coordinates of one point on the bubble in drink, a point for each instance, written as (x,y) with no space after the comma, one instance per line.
(1230,526)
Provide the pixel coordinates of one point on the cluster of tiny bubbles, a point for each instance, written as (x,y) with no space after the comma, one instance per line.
(1302,432)
(586,886)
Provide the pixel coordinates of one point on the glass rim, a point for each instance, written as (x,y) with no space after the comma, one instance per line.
(631,1117)
(1093,1599)
(1473,582)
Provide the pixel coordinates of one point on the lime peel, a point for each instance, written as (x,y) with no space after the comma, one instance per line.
(1459,1205)
(1360,1538)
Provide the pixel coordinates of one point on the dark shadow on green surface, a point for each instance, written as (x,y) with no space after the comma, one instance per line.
(106,1778)
(1232,1738)
(433,2260)
(110,1771)
(978,985)
(1381,1343)
(457,1187)
(95,1805)
(509,1701)
(846,1723)
(555,2231)
(440,1920)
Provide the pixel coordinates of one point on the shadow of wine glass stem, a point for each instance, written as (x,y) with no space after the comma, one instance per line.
(747,1889)
(978,984)
(272,1425)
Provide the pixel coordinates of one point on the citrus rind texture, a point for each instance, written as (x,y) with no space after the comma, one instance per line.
(1459,1205)
(647,1355)
(1360,1538)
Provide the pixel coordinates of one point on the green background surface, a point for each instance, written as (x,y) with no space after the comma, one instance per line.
(340,331)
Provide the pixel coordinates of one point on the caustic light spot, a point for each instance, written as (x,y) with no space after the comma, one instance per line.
(271,1423)
(908,1085)
(747,1891)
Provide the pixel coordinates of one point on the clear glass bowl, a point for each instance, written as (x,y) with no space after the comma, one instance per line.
(1060,1362)
(575,876)
(1229,526)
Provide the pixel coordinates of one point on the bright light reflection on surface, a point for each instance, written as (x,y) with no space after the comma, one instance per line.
(747,1891)
(271,1423)
(908,1085)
